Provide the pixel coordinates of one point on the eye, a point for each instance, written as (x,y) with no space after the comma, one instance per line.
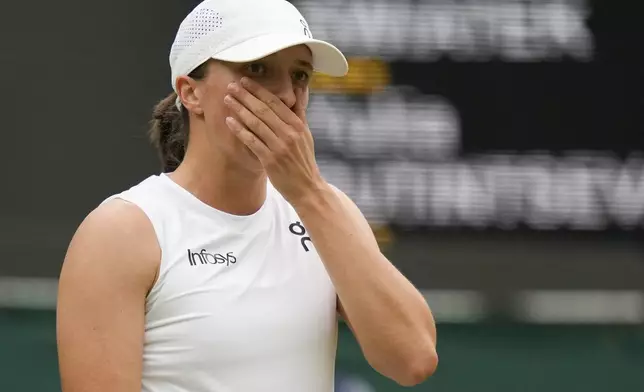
(256,68)
(301,76)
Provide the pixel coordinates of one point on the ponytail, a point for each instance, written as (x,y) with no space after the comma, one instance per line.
(168,132)
(169,127)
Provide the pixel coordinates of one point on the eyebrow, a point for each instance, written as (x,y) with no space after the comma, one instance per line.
(305,64)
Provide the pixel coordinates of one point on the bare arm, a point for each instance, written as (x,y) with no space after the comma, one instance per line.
(389,317)
(109,268)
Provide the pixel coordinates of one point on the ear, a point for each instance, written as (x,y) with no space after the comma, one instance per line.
(187,90)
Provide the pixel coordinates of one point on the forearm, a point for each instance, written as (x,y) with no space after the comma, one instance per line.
(389,317)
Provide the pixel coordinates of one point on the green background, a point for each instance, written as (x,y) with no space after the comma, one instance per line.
(477,357)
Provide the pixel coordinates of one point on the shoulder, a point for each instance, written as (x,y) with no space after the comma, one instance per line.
(114,240)
(113,222)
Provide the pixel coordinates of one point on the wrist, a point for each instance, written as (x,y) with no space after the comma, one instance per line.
(316,198)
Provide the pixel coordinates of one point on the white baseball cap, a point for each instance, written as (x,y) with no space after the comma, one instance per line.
(241,31)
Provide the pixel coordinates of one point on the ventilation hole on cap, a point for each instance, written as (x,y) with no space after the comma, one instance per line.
(199,23)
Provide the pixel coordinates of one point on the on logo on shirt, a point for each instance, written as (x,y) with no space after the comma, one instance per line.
(299,230)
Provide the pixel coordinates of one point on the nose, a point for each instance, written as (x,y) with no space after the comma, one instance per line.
(283,89)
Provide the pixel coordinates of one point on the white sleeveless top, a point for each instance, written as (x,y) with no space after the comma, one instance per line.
(241,304)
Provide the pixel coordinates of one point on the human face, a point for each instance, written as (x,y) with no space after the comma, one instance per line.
(281,73)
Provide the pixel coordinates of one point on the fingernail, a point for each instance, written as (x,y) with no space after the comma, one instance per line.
(230,121)
(232,87)
(228,99)
(244,81)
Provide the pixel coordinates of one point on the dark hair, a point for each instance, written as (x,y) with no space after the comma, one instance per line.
(170,125)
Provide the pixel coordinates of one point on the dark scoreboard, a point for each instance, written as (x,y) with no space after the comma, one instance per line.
(505,151)
(498,114)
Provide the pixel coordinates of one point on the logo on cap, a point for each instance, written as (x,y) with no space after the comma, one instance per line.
(307,32)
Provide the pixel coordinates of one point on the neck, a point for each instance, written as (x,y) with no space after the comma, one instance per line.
(221,184)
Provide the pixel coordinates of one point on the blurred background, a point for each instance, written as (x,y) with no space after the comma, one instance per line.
(495,146)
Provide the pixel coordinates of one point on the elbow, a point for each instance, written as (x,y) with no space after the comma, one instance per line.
(411,367)
(416,365)
(419,368)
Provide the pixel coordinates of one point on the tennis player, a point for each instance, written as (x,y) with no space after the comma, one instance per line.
(227,271)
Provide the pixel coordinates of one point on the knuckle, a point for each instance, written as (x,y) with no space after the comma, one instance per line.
(254,123)
(253,142)
(273,102)
(263,110)
(292,138)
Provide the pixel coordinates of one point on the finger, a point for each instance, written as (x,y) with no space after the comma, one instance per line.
(260,109)
(254,144)
(301,103)
(283,112)
(252,123)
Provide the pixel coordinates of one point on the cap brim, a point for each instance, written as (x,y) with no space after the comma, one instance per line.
(327,59)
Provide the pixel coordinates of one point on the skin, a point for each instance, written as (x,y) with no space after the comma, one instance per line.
(248,123)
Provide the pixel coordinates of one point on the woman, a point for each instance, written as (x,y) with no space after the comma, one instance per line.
(227,272)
